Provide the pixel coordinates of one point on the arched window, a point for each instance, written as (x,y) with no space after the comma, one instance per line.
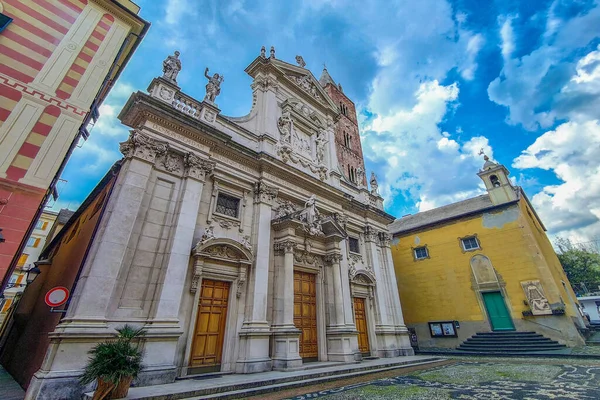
(495,181)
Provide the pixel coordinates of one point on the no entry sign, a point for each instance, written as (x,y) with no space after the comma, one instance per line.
(57,296)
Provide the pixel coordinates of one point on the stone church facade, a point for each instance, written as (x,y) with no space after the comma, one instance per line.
(241,244)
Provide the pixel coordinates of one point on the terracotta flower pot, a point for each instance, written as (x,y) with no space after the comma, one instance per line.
(103,390)
(122,388)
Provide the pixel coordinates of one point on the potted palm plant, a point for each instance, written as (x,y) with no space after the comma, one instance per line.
(114,364)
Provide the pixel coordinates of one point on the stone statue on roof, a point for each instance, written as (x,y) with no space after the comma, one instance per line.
(171,67)
(213,87)
(374,184)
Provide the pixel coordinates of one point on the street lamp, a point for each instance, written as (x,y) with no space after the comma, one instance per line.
(32,273)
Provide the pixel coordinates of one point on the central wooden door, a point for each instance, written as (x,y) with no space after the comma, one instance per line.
(360,319)
(207,347)
(496,308)
(305,313)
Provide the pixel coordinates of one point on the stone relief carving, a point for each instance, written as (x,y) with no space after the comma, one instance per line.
(284,246)
(264,83)
(320,142)
(196,276)
(306,83)
(373,182)
(311,218)
(300,61)
(385,239)
(171,67)
(225,223)
(245,242)
(172,162)
(285,208)
(197,167)
(264,193)
(287,154)
(306,257)
(142,146)
(284,125)
(166,94)
(536,298)
(208,234)
(370,234)
(241,281)
(213,87)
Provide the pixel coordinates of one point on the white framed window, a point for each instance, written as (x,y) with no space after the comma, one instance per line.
(228,205)
(470,243)
(353,245)
(421,253)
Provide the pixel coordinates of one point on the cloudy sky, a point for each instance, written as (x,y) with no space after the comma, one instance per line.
(434,82)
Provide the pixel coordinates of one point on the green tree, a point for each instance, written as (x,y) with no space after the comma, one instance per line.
(580,262)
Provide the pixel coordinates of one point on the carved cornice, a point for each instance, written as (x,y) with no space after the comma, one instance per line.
(196,167)
(143,147)
(264,193)
(285,247)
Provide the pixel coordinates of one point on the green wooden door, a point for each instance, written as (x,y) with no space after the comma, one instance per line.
(497,312)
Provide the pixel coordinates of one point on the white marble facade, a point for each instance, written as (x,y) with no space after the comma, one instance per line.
(290,209)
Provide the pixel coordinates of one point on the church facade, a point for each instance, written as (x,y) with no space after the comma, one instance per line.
(241,244)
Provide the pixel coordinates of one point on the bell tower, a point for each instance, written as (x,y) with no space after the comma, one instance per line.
(347,138)
(495,178)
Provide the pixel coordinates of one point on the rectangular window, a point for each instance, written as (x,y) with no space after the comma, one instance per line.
(228,205)
(470,243)
(421,253)
(41,225)
(33,242)
(22,260)
(353,244)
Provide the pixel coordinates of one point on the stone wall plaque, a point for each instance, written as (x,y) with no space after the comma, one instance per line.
(536,298)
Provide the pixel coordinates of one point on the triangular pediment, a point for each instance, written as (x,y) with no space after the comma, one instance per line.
(298,77)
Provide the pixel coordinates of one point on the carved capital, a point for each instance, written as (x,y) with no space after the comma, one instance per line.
(285,247)
(385,239)
(265,83)
(196,276)
(143,147)
(370,234)
(264,193)
(196,167)
(332,259)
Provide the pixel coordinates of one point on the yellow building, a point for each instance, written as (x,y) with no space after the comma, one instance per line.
(483,264)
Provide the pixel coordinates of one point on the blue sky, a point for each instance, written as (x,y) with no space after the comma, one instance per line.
(433,80)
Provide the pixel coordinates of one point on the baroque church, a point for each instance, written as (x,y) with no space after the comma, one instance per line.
(241,244)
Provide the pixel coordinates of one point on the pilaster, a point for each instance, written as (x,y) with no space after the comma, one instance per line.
(255,332)
(286,337)
(342,341)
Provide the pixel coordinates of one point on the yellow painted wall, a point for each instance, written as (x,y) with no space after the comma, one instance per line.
(439,288)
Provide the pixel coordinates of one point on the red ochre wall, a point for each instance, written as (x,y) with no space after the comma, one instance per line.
(28,338)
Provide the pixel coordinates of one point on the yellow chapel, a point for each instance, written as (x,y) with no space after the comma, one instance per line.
(482,269)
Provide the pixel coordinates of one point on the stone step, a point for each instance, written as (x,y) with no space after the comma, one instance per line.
(244,393)
(508,340)
(510,348)
(241,386)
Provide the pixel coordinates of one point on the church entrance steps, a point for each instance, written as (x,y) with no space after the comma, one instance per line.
(510,342)
(236,386)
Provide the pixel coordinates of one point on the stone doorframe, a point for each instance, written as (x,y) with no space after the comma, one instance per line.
(220,259)
(362,285)
(313,264)
(485,278)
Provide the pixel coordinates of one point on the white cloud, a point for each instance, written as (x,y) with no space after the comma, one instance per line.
(531,85)
(571,208)
(469,65)
(418,161)
(508,37)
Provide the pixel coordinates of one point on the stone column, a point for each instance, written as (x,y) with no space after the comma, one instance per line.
(97,284)
(181,241)
(342,341)
(286,337)
(387,343)
(387,263)
(255,331)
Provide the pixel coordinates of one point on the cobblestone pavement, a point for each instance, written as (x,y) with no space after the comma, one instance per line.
(495,379)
